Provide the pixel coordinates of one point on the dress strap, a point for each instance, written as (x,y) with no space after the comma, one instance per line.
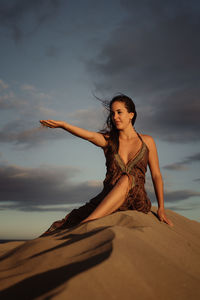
(140,137)
(144,144)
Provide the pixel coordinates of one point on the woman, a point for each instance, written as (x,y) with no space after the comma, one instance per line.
(127,155)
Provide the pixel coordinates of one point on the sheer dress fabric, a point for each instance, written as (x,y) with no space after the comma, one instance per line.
(136,196)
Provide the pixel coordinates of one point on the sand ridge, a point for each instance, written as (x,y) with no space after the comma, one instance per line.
(127,255)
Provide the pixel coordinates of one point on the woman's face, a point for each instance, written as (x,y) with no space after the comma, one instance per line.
(120,116)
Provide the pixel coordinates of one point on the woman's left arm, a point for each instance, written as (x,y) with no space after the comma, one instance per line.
(156,178)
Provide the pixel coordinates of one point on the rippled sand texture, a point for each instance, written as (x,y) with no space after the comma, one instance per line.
(127,255)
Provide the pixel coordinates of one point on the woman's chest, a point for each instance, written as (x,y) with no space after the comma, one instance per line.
(128,151)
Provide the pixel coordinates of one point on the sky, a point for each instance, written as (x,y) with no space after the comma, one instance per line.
(55,57)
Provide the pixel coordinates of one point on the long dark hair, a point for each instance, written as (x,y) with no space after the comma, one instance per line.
(110,132)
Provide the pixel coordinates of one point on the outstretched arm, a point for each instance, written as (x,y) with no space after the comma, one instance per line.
(94,137)
(156,178)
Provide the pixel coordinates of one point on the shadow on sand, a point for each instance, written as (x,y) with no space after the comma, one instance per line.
(37,285)
(40,284)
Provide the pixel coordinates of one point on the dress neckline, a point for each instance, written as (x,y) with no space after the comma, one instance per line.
(135,156)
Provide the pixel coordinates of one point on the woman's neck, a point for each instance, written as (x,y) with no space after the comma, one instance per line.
(127,134)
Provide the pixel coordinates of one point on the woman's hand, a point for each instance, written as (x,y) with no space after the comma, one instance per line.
(52,123)
(163,218)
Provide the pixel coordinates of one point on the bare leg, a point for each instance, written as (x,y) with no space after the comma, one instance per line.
(112,201)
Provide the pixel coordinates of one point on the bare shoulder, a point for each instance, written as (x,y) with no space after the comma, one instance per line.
(149,141)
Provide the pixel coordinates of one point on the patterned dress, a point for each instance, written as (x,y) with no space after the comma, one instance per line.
(136,196)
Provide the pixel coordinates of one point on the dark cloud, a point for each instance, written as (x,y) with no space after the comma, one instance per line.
(176,167)
(36,12)
(180,166)
(153,56)
(37,188)
(193,158)
(175,196)
(181,195)
(197,180)
(39,208)
(178,208)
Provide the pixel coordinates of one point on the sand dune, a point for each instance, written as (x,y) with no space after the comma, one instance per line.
(127,255)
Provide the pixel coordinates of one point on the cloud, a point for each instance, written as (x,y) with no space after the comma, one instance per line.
(53,188)
(176,167)
(40,188)
(176,118)
(34,12)
(179,208)
(175,196)
(3,84)
(153,56)
(29,105)
(197,180)
(28,87)
(7,101)
(27,132)
(26,107)
(7,97)
(192,158)
(31,90)
(182,166)
(180,195)
(27,98)
(90,118)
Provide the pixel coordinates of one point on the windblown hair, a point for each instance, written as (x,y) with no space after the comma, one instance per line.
(110,132)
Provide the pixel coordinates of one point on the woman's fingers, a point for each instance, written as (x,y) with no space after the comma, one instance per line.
(163,218)
(45,123)
(49,123)
(169,222)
